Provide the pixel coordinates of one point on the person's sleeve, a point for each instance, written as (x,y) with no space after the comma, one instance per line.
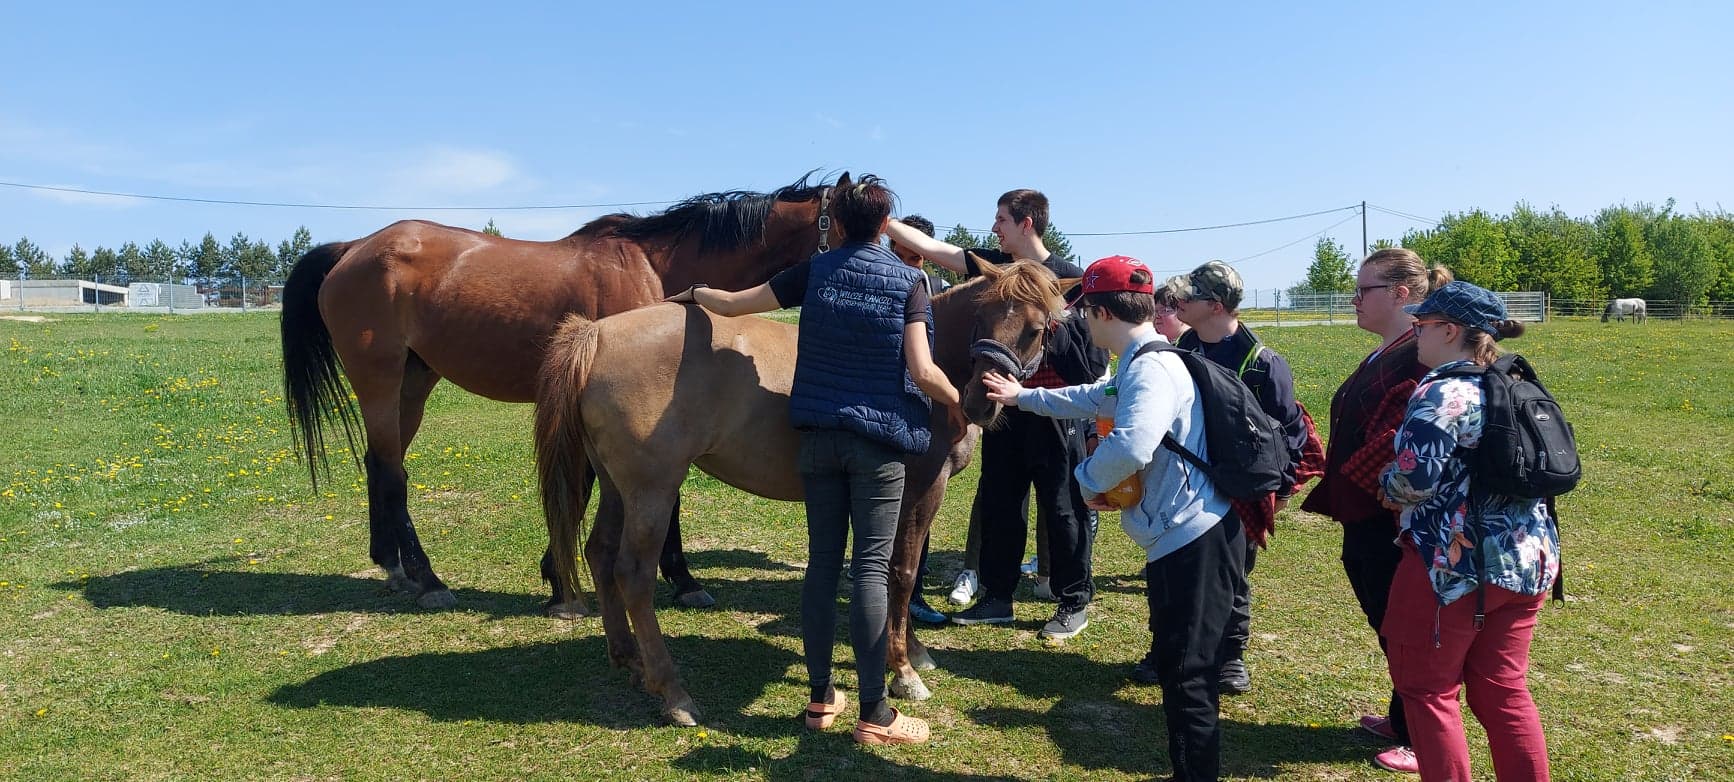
(915,309)
(1145,405)
(1424,446)
(1363,467)
(1071,354)
(790,285)
(1081,401)
(1279,403)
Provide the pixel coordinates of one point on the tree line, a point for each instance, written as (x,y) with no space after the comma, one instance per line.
(1652,252)
(206,262)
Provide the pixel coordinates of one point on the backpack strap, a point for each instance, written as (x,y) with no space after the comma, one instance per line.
(1168,440)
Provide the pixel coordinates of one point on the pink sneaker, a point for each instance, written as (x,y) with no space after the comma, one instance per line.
(1400,759)
(1378,726)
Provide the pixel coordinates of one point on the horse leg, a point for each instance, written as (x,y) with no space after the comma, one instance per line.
(645,526)
(923,491)
(687,590)
(603,552)
(380,375)
(418,382)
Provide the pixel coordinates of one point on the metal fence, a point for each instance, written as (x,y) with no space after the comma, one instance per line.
(137,295)
(1654,308)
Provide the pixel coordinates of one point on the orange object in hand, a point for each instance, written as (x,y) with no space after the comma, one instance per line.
(1128,492)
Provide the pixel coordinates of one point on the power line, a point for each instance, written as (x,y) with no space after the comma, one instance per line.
(1297,241)
(1189,229)
(365,207)
(1405,215)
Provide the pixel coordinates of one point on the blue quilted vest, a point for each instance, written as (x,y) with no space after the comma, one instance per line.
(850,374)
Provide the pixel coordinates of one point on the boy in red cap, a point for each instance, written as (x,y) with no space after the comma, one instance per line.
(1192,540)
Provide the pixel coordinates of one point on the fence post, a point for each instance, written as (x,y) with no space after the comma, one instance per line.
(243,293)
(96,293)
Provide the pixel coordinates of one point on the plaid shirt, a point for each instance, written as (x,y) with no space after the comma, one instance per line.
(1365,414)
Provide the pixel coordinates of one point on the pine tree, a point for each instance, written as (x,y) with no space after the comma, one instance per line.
(76,264)
(491,229)
(104,266)
(33,260)
(8,262)
(159,262)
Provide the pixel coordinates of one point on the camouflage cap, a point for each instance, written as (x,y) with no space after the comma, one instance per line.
(1176,288)
(1216,281)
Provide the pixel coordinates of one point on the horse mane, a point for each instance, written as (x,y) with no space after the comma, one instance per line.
(725,221)
(1022,281)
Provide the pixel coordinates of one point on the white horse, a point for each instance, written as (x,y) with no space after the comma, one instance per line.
(1620,309)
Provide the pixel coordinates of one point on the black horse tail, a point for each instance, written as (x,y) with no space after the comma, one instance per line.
(562,464)
(313,387)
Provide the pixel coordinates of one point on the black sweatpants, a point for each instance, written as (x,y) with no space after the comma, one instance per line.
(1028,450)
(1370,558)
(1191,592)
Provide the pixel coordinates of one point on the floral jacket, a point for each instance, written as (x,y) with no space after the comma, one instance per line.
(1518,544)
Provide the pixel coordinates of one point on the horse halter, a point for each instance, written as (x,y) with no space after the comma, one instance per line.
(824,221)
(1004,358)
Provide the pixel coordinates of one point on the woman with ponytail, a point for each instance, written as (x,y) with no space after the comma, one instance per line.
(1475,566)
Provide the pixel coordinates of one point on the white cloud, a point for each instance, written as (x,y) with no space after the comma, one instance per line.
(456,171)
(84,199)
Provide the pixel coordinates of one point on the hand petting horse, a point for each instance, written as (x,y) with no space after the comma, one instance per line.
(639,397)
(417,301)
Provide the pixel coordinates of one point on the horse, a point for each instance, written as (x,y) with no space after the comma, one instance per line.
(417,301)
(1620,309)
(638,397)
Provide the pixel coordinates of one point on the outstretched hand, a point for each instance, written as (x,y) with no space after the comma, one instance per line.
(959,422)
(1001,389)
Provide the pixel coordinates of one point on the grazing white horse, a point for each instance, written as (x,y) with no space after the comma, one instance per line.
(1620,309)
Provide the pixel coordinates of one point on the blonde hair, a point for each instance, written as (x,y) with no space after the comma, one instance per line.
(1405,267)
(1483,346)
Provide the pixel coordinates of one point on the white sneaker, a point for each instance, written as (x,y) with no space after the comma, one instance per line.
(966,588)
(1043,589)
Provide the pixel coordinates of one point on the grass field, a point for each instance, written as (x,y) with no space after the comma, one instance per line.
(176,603)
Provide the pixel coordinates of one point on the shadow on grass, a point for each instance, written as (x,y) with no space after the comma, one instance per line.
(567,681)
(211,588)
(206,589)
(1094,727)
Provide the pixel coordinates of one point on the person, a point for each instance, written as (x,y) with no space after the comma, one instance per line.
(919,610)
(1167,319)
(1192,539)
(1365,413)
(1210,304)
(1028,450)
(864,336)
(1458,540)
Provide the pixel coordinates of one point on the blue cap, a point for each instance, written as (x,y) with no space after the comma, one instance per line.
(1470,305)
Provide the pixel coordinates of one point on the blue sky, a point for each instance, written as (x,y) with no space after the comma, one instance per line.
(1129,116)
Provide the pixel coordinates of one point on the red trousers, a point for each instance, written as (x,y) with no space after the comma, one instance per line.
(1492,664)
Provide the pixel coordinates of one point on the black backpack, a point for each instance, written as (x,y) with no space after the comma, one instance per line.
(1248,455)
(1527,449)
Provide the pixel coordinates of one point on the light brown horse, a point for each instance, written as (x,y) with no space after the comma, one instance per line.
(639,397)
(417,302)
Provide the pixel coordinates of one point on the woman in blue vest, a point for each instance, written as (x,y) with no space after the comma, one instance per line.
(863,377)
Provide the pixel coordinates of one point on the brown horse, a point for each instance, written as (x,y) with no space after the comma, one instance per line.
(417,302)
(639,397)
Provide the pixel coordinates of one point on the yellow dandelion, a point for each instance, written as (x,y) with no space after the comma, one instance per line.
(329,517)
(41,712)
(237,540)
(216,652)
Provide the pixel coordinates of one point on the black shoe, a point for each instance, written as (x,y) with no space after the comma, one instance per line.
(920,611)
(1233,678)
(990,611)
(1145,672)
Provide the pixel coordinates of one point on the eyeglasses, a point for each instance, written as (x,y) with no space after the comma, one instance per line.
(1361,290)
(1419,324)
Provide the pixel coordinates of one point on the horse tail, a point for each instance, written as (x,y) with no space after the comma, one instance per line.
(562,464)
(313,387)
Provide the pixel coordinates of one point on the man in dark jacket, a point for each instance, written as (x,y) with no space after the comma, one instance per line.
(1030,450)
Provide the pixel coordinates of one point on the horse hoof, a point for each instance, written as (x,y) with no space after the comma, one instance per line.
(696,599)
(576,609)
(922,660)
(438,599)
(683,714)
(910,689)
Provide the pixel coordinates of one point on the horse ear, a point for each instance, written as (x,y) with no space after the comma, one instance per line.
(843,181)
(987,269)
(1067,283)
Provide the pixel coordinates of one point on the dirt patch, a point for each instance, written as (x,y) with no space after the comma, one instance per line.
(28,318)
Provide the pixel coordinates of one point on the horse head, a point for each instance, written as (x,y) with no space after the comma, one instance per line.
(1013,307)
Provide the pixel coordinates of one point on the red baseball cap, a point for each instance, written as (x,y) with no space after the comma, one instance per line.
(1113,274)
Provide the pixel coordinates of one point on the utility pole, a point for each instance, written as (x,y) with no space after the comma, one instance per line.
(1363,230)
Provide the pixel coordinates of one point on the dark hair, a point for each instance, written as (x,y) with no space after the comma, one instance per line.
(1403,266)
(861,206)
(1026,203)
(1127,306)
(919,223)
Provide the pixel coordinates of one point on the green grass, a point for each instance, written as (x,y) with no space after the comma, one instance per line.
(175,602)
